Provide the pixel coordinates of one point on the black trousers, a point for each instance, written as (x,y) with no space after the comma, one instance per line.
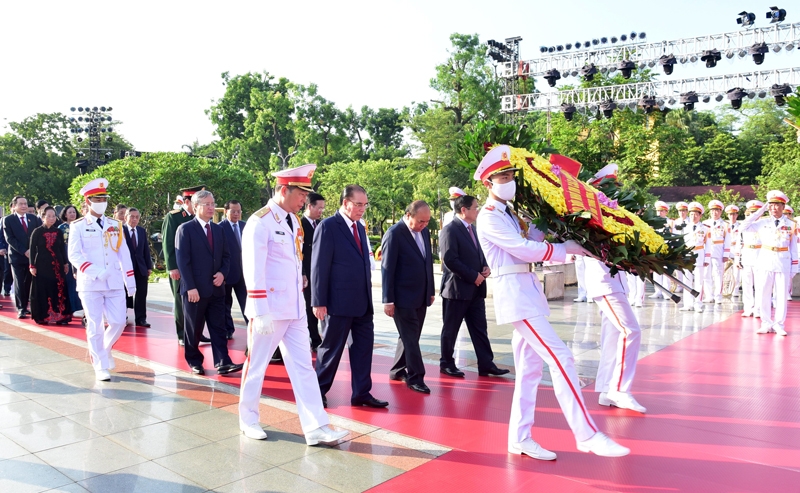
(408,356)
(139,301)
(5,274)
(240,289)
(329,353)
(22,284)
(209,311)
(474,312)
(313,323)
(177,306)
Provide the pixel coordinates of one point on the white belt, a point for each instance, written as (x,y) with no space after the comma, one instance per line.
(505,270)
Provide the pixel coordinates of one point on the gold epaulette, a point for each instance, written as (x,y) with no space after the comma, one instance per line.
(262,212)
(175,211)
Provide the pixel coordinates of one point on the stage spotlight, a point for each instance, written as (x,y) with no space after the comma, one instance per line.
(551,76)
(603,70)
(568,46)
(604,40)
(633,35)
(758,51)
(711,57)
(779,92)
(72,109)
(684,59)
(624,37)
(80,154)
(595,41)
(688,99)
(551,49)
(746,18)
(776,15)
(80,108)
(543,49)
(789,46)
(79,139)
(706,98)
(608,106)
(108,155)
(668,62)
(109,139)
(742,53)
(729,54)
(642,65)
(103,109)
(718,98)
(751,95)
(109,129)
(588,71)
(560,48)
(614,39)
(647,103)
(671,101)
(651,64)
(776,48)
(626,66)
(586,44)
(569,111)
(693,58)
(109,108)
(736,95)
(94,109)
(642,35)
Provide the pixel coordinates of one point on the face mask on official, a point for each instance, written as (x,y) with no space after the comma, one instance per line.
(505,191)
(98,207)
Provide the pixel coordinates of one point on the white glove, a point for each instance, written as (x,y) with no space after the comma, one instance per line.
(262,324)
(574,248)
(103,275)
(131,292)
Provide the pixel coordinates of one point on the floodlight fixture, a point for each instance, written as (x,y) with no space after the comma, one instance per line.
(688,99)
(776,15)
(551,76)
(543,49)
(623,38)
(779,92)
(626,66)
(758,51)
(595,42)
(569,111)
(604,40)
(711,57)
(588,72)
(729,54)
(560,48)
(746,19)
(614,39)
(668,62)
(647,103)
(568,46)
(608,106)
(789,46)
(718,98)
(736,95)
(706,98)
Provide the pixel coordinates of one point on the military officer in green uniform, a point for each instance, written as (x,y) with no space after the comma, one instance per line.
(171,222)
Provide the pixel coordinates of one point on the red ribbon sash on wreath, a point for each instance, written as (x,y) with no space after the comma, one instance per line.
(576,196)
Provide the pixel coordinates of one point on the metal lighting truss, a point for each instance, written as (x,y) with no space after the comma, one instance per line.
(778,36)
(665,92)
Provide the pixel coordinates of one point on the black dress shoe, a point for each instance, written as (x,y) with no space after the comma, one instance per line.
(494,372)
(181,343)
(369,402)
(400,377)
(63,321)
(277,357)
(232,368)
(21,314)
(453,372)
(203,338)
(324,401)
(143,323)
(198,370)
(229,336)
(420,387)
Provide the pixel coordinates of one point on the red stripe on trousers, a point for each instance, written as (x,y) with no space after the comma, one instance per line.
(624,342)
(564,374)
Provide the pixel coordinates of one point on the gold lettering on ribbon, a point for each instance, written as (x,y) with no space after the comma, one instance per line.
(578,198)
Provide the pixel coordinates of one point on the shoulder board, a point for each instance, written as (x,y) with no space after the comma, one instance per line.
(489,207)
(262,212)
(112,221)
(176,211)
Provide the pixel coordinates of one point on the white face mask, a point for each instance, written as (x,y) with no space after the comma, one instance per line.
(505,191)
(98,207)
(453,204)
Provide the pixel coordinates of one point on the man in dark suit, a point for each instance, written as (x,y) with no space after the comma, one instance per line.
(232,227)
(17,229)
(463,290)
(142,263)
(341,290)
(204,262)
(315,204)
(408,290)
(6,278)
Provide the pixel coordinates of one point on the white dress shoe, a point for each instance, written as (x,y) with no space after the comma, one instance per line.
(763,330)
(531,449)
(699,308)
(756,315)
(638,304)
(781,332)
(686,308)
(579,300)
(745,314)
(253,431)
(654,296)
(590,300)
(603,446)
(620,400)
(324,435)
(102,375)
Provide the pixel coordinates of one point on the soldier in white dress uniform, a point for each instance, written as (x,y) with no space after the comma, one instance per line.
(696,236)
(777,260)
(662,209)
(719,248)
(98,249)
(455,193)
(677,228)
(272,262)
(510,247)
(736,245)
(750,246)
(620,337)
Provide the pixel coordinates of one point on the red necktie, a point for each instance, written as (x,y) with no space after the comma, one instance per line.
(24,224)
(210,238)
(358,240)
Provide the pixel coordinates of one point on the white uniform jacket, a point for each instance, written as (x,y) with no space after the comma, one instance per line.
(750,242)
(448,218)
(720,246)
(779,248)
(93,251)
(273,265)
(601,282)
(518,294)
(697,237)
(736,239)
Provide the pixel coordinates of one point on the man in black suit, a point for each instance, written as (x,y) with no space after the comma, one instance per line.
(463,290)
(17,229)
(408,290)
(341,290)
(232,227)
(142,263)
(204,262)
(315,204)
(6,279)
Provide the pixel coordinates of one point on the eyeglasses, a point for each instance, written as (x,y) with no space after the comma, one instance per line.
(360,205)
(207,204)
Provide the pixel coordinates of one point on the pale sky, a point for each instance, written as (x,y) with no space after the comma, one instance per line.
(158,63)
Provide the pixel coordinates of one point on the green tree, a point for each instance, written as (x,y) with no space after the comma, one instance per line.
(781,170)
(725,195)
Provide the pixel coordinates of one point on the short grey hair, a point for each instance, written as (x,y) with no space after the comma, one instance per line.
(414,207)
(200,196)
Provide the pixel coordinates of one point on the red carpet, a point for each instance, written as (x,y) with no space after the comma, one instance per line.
(723,415)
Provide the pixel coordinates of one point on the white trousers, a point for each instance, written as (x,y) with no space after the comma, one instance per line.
(713,279)
(748,291)
(766,281)
(694,279)
(580,273)
(636,289)
(292,336)
(737,280)
(535,342)
(620,338)
(97,307)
